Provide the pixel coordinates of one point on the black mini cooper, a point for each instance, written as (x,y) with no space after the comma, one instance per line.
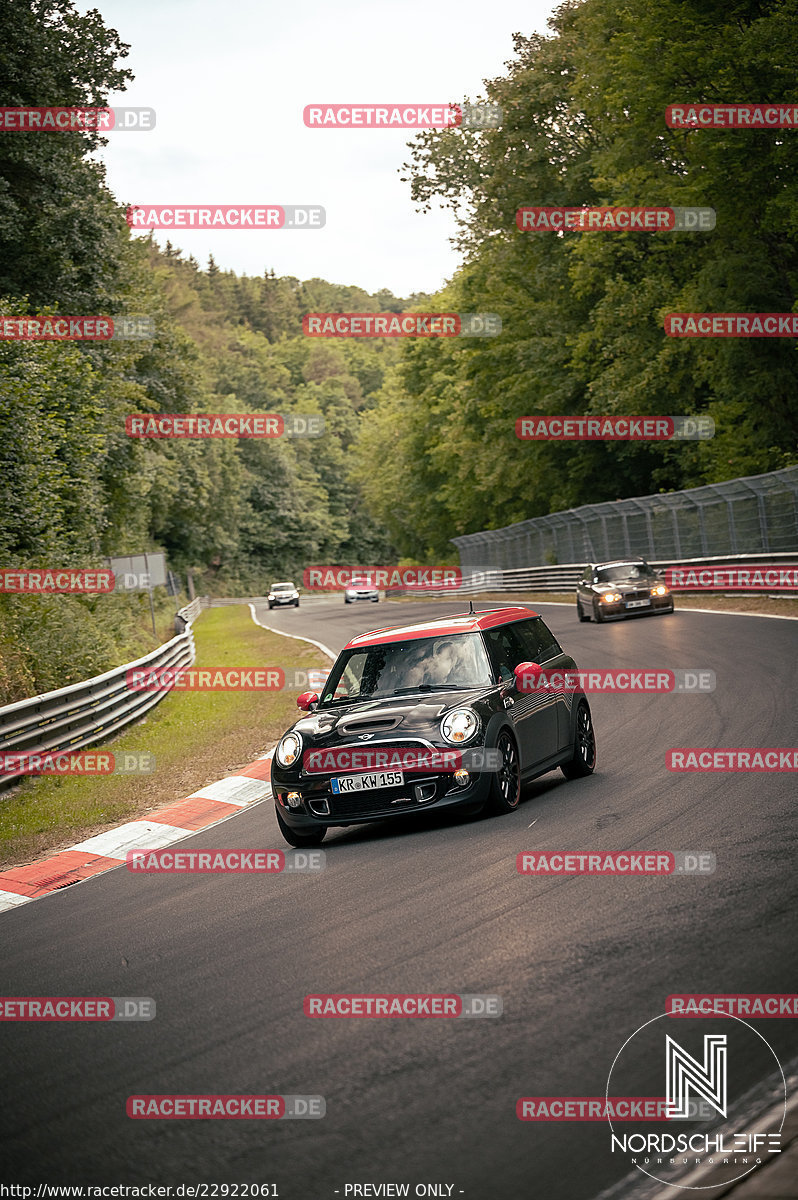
(430,716)
(620,589)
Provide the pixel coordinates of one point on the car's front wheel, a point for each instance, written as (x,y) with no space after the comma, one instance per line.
(315,838)
(505,787)
(296,604)
(579,611)
(598,615)
(583,761)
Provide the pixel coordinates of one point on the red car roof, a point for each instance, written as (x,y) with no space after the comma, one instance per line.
(461,623)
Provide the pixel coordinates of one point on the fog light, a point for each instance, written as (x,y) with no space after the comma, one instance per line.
(462,777)
(294,799)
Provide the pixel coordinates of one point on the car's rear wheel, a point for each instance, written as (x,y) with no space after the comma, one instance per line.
(579,612)
(583,761)
(505,787)
(315,838)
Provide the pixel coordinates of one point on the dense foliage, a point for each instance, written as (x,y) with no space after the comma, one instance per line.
(584,124)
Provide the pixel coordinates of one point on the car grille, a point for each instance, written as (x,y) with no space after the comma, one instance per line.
(378,803)
(637,594)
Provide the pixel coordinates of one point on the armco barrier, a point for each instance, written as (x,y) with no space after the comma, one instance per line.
(84,713)
(565,576)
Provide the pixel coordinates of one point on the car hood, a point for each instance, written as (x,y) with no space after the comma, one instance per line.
(400,716)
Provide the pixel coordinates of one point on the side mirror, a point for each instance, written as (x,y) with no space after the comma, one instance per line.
(307,700)
(527,675)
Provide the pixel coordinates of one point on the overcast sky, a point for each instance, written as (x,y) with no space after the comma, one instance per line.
(229,80)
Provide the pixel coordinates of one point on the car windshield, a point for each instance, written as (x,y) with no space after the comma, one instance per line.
(283,587)
(623,571)
(433,664)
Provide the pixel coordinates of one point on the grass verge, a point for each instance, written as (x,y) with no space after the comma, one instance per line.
(195,737)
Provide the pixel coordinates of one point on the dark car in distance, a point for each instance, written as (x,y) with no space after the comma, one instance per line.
(627,586)
(420,693)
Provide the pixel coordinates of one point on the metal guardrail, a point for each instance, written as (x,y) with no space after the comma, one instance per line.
(81,714)
(565,576)
(193,610)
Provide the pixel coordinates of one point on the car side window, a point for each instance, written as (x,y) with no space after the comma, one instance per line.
(530,640)
(506,650)
(539,641)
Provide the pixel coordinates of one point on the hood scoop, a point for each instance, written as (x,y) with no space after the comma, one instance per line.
(369,725)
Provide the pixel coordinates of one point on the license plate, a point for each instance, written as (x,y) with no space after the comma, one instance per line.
(362,783)
(637,603)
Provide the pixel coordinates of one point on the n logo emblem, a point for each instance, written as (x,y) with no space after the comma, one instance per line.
(683,1073)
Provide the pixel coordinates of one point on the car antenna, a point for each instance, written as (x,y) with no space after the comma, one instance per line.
(470,608)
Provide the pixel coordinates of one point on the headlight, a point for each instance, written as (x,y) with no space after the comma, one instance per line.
(460,725)
(611,597)
(289,749)
(659,590)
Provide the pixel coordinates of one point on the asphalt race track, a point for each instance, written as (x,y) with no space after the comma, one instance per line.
(430,906)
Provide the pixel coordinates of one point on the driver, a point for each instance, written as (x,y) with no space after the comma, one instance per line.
(451,662)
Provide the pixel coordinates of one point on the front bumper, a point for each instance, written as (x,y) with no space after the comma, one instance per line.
(630,606)
(420,791)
